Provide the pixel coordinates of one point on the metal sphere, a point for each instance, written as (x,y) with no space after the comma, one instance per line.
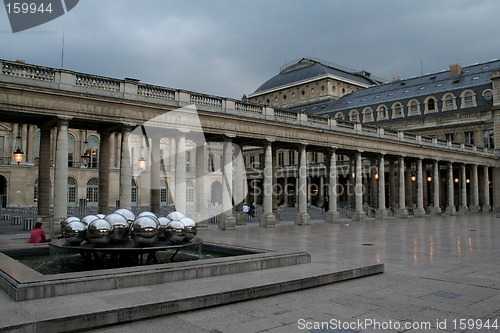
(99,231)
(127,213)
(65,222)
(151,214)
(163,222)
(176,216)
(89,218)
(144,230)
(191,228)
(175,231)
(74,232)
(120,226)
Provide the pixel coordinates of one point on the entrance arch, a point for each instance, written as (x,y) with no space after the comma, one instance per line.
(3,191)
(216,193)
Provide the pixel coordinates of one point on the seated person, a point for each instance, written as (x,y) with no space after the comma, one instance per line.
(38,234)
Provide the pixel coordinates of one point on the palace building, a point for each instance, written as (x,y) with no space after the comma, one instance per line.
(317,134)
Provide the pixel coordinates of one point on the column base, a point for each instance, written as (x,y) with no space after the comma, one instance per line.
(241,218)
(401,213)
(267,221)
(486,208)
(381,214)
(227,222)
(55,226)
(451,210)
(436,210)
(462,210)
(419,212)
(277,215)
(302,218)
(475,209)
(358,215)
(332,217)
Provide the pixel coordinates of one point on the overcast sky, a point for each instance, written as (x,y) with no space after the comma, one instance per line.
(229,48)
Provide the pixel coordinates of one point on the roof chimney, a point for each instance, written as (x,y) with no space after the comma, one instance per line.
(396,79)
(455,70)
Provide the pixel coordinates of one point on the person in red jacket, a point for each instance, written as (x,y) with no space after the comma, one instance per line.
(38,234)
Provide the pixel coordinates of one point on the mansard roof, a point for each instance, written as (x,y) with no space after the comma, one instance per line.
(471,77)
(309,69)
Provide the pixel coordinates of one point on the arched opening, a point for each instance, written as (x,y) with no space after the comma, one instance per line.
(216,193)
(93,191)
(3,191)
(72,192)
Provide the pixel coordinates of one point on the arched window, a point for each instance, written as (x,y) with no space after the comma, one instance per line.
(354,116)
(72,191)
(133,194)
(94,149)
(397,110)
(163,192)
(339,116)
(382,113)
(468,99)
(93,191)
(71,150)
(449,102)
(189,191)
(368,115)
(35,190)
(216,192)
(430,105)
(413,108)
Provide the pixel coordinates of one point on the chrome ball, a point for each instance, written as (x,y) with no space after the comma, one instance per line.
(176,216)
(120,226)
(99,232)
(74,232)
(151,214)
(175,231)
(89,218)
(127,213)
(65,222)
(163,222)
(191,228)
(144,230)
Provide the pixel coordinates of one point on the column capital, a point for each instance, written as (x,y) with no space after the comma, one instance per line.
(63,120)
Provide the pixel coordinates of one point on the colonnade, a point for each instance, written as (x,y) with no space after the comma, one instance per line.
(233,180)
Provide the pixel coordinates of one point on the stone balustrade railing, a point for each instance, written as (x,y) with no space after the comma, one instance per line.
(133,89)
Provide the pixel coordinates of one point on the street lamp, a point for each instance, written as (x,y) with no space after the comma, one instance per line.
(18,154)
(86,155)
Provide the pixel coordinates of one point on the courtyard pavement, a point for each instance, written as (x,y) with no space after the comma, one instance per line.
(441,274)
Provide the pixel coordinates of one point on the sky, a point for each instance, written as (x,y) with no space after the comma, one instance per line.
(230,47)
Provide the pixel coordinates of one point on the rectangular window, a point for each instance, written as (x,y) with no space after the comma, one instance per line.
(450,137)
(469,138)
(281,158)
(163,195)
(291,157)
(314,157)
(252,161)
(71,194)
(3,158)
(211,166)
(489,139)
(188,161)
(261,160)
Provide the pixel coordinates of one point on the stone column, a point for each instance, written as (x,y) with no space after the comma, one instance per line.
(43,200)
(24,142)
(373,184)
(155,175)
(358,214)
(13,139)
(61,176)
(486,192)
(419,210)
(302,216)
(381,212)
(408,186)
(180,174)
(451,210)
(240,187)
(201,171)
(104,171)
(401,212)
(436,209)
(125,170)
(227,221)
(332,215)
(31,143)
(392,187)
(268,219)
(463,190)
(474,184)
